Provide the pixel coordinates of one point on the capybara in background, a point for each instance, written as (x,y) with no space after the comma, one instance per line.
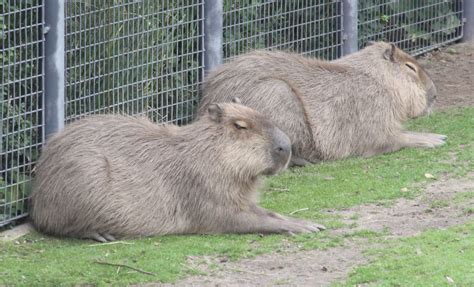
(354,106)
(111,176)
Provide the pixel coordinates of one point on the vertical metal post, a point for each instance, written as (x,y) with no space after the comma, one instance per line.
(350,26)
(468,15)
(213,33)
(54,66)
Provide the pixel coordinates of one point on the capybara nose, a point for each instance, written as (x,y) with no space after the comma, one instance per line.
(283,150)
(282,145)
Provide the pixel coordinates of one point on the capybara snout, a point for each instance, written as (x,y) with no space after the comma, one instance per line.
(281,150)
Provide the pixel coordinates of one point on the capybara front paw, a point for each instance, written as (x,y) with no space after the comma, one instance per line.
(294,227)
(100,237)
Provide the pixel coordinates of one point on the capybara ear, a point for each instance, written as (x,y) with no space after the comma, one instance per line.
(236,100)
(389,54)
(215,112)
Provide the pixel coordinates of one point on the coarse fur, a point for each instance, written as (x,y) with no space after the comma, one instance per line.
(354,106)
(111,176)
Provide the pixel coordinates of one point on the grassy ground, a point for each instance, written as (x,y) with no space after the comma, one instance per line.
(435,258)
(38,260)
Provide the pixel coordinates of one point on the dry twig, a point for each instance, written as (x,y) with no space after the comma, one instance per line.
(298,210)
(111,243)
(124,266)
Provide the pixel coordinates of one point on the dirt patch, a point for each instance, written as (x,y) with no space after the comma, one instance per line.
(452,71)
(434,209)
(314,267)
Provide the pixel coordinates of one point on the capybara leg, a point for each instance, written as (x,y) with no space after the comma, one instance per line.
(409,139)
(258,222)
(296,161)
(287,218)
(100,237)
(424,140)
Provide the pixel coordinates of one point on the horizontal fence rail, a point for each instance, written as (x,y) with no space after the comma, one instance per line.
(145,57)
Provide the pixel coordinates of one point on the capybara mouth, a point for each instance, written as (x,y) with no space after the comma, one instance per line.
(271,171)
(277,168)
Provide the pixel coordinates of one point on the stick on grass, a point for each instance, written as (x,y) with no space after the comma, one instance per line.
(298,210)
(125,266)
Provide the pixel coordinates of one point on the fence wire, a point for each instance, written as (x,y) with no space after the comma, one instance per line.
(134,57)
(415,26)
(21,84)
(303,26)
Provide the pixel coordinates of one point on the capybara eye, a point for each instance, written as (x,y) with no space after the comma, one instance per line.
(241,125)
(411,67)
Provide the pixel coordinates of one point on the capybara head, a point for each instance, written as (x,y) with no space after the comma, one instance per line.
(419,90)
(253,142)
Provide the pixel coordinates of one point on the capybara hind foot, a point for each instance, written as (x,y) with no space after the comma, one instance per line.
(100,237)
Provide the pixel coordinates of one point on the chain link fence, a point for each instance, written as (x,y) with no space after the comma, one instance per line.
(147,57)
(415,26)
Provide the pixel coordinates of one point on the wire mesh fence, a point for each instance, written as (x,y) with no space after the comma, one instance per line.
(134,57)
(21,89)
(303,26)
(415,26)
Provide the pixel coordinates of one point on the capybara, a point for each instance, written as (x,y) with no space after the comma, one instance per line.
(354,106)
(111,176)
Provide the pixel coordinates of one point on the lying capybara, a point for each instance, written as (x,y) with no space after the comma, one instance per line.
(354,106)
(114,176)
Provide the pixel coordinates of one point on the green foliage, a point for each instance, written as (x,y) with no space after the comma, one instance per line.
(415,25)
(135,57)
(308,27)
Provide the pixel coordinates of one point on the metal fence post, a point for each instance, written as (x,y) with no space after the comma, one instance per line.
(350,26)
(213,33)
(468,21)
(54,66)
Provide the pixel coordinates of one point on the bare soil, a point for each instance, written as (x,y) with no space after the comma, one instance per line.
(452,70)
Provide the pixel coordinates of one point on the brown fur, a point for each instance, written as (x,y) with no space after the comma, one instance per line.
(354,106)
(108,176)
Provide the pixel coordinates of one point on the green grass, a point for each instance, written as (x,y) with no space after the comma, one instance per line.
(431,259)
(39,260)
